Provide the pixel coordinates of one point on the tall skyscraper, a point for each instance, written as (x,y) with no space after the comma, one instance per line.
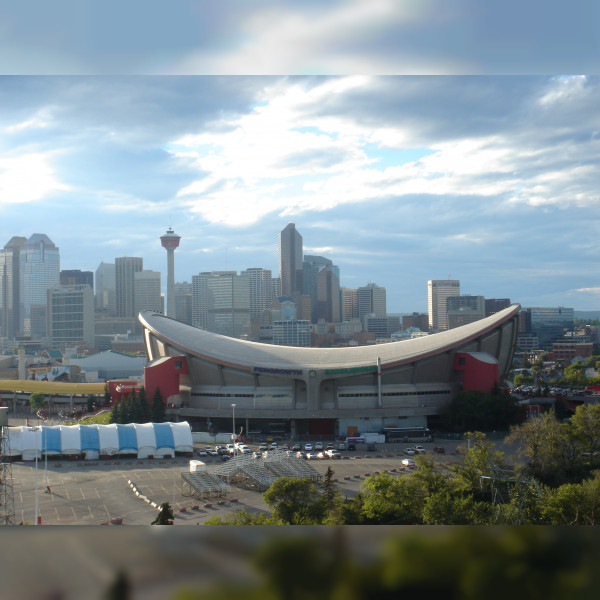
(125,267)
(290,261)
(261,290)
(106,289)
(228,303)
(40,271)
(438,291)
(321,281)
(349,299)
(199,301)
(146,291)
(371,301)
(71,315)
(10,287)
(170,241)
(183,302)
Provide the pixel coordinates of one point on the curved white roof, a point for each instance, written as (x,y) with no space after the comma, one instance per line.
(70,438)
(231,351)
(109,438)
(182,436)
(145,435)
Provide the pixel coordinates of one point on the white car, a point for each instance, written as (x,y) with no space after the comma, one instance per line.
(319,446)
(308,447)
(310,455)
(213,452)
(409,451)
(333,453)
(263,447)
(420,450)
(408,462)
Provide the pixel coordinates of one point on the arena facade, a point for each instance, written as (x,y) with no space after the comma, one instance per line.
(327,392)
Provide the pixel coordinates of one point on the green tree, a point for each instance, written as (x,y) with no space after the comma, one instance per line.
(165,514)
(37,400)
(295,501)
(391,500)
(476,411)
(573,504)
(158,412)
(586,427)
(478,455)
(574,375)
(540,440)
(242,517)
(448,507)
(144,408)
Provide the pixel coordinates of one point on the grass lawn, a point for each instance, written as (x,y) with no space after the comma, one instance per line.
(101,419)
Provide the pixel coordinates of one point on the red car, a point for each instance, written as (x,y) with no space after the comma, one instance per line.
(439,450)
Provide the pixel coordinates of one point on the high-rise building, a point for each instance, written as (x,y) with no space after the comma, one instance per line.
(549,324)
(10,287)
(416,320)
(290,261)
(461,310)
(76,277)
(71,315)
(199,301)
(371,301)
(228,304)
(125,268)
(106,288)
(183,302)
(170,241)
(321,281)
(40,269)
(349,299)
(146,293)
(261,290)
(438,291)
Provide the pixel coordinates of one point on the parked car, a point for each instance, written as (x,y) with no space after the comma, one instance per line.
(333,453)
(308,446)
(285,447)
(439,450)
(409,451)
(322,455)
(202,452)
(300,454)
(341,446)
(263,447)
(420,450)
(213,452)
(273,446)
(310,455)
(225,457)
(330,446)
(256,455)
(230,448)
(297,447)
(408,462)
(319,446)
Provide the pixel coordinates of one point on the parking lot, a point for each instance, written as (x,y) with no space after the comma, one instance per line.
(100,492)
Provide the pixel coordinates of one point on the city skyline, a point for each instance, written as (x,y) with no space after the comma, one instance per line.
(397,180)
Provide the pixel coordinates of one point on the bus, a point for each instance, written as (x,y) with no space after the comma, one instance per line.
(407,434)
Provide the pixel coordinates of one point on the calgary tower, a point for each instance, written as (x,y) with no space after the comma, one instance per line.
(170,241)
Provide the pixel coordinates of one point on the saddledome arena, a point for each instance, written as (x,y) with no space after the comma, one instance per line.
(210,380)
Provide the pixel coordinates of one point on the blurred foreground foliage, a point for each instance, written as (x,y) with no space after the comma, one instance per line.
(459,563)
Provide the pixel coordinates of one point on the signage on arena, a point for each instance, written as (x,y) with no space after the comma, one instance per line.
(277,371)
(351,370)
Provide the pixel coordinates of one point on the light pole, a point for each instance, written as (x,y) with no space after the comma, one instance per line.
(36,429)
(233,436)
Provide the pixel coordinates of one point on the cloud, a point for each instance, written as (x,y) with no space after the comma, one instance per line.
(28,177)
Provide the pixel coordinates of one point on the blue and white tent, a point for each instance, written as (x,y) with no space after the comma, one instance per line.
(141,439)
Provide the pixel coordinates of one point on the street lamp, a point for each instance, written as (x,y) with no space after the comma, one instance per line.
(233,436)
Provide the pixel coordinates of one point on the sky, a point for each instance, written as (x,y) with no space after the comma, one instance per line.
(492,180)
(406,139)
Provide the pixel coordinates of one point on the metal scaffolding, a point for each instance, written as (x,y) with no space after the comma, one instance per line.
(7,498)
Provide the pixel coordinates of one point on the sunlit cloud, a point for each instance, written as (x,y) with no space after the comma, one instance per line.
(28,177)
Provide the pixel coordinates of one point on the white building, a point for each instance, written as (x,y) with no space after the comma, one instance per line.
(438,291)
